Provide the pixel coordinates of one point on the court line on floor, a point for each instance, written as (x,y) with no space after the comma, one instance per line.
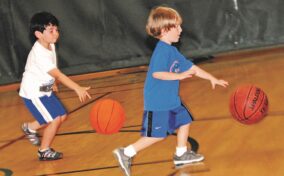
(68,97)
(192,142)
(11,142)
(114,167)
(70,112)
(108,86)
(275,113)
(92,101)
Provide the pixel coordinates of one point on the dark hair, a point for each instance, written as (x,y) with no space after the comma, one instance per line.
(39,21)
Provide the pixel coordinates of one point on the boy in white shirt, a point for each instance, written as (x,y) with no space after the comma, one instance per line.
(38,84)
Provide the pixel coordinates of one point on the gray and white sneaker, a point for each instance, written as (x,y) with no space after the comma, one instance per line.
(187,158)
(32,137)
(123,160)
(49,154)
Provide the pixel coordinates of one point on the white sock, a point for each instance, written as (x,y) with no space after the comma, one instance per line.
(180,150)
(129,151)
(32,131)
(43,150)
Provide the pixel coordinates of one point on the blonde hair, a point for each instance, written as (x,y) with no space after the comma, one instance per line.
(162,18)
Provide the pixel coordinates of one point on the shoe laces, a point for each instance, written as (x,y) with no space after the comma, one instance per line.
(49,153)
(188,155)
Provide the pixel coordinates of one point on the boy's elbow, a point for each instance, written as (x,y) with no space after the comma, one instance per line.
(194,68)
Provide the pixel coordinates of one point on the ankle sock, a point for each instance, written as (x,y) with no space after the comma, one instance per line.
(43,150)
(129,151)
(180,150)
(30,130)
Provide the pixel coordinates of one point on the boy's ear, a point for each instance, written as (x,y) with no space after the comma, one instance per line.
(38,34)
(163,31)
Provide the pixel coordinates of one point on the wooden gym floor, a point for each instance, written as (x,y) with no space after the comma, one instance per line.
(230,148)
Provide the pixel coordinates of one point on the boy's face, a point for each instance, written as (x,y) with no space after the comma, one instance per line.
(173,35)
(49,35)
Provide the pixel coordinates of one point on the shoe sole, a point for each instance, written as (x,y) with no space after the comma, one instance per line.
(50,159)
(46,159)
(188,162)
(118,157)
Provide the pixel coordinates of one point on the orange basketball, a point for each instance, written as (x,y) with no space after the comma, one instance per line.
(107,116)
(248,104)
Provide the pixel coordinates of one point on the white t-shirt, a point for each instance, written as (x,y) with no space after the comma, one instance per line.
(40,61)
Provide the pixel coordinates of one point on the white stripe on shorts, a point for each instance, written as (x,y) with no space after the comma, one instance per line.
(41,108)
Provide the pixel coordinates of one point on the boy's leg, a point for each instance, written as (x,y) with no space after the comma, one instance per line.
(45,152)
(145,142)
(183,118)
(49,133)
(47,110)
(35,125)
(182,135)
(30,130)
(40,108)
(124,155)
(154,129)
(184,156)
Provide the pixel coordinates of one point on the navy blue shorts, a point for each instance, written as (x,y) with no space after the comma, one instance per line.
(162,123)
(45,109)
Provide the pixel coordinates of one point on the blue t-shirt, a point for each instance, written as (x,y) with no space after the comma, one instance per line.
(162,95)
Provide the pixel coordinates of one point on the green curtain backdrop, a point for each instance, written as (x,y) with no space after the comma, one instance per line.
(98,35)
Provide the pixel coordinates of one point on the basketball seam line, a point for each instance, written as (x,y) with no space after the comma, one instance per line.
(258,105)
(99,128)
(244,109)
(239,116)
(110,116)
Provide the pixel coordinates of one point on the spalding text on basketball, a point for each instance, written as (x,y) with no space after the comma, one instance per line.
(256,95)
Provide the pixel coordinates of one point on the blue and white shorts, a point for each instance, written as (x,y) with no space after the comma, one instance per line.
(45,109)
(160,124)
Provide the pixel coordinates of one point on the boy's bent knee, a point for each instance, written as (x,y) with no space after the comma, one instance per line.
(156,138)
(160,139)
(63,118)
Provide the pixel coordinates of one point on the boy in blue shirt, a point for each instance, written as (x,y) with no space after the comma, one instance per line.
(163,110)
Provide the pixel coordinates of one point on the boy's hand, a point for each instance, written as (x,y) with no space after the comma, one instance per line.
(82,93)
(220,82)
(55,88)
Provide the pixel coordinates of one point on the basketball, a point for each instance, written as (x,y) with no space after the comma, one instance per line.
(248,104)
(107,116)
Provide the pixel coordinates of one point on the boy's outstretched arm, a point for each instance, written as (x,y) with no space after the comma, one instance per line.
(81,91)
(205,75)
(172,76)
